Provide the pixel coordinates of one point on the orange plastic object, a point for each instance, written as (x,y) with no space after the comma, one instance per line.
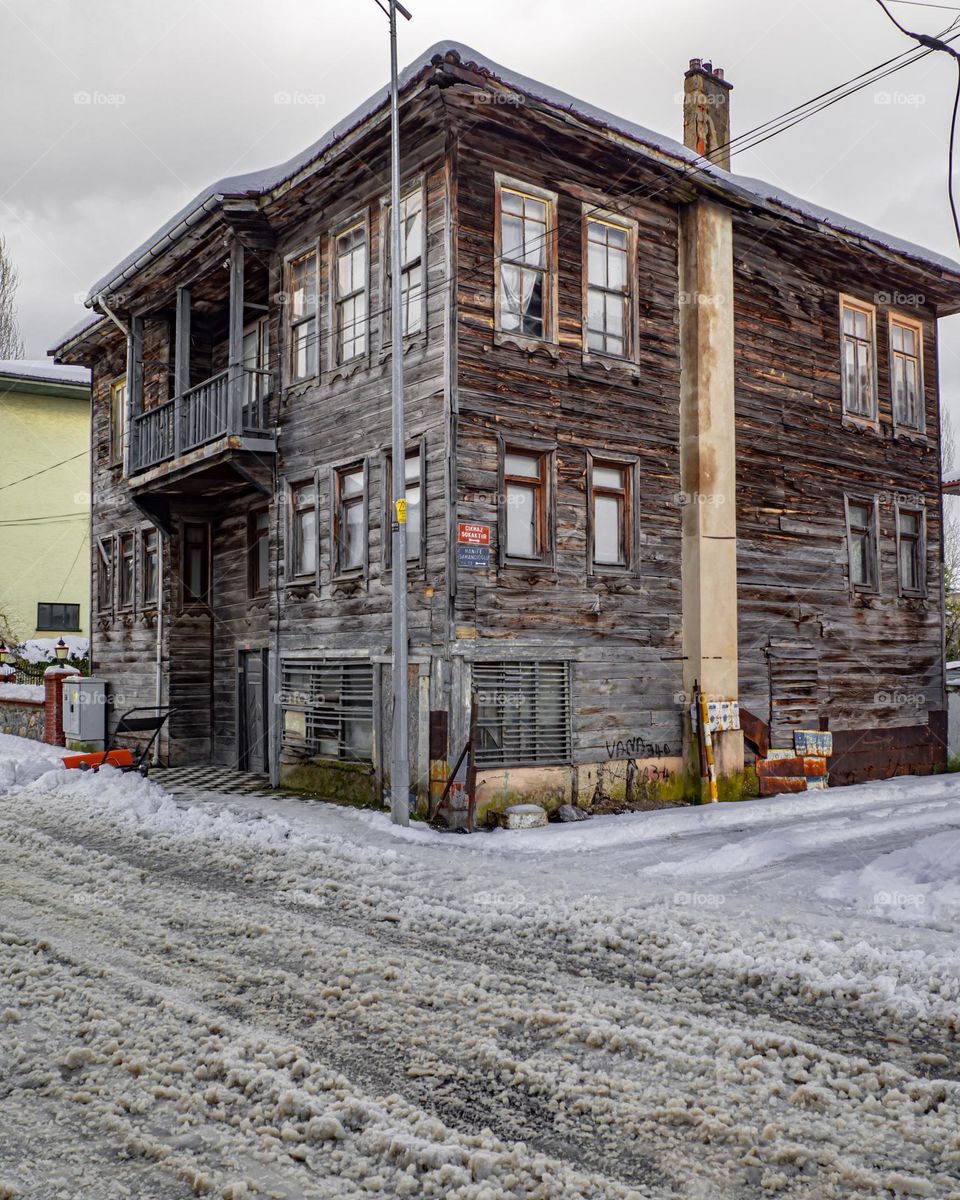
(116,758)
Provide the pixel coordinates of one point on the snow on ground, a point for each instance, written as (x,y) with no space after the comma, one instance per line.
(240,997)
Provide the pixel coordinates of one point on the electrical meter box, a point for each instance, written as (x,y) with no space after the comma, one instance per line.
(84,712)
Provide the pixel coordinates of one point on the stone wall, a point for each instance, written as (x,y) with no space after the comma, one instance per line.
(23,718)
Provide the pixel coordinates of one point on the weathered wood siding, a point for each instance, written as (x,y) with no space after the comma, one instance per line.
(809,648)
(626,674)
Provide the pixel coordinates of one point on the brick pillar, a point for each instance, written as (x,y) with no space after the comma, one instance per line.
(53,678)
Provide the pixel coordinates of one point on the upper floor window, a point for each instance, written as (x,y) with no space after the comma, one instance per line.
(195,563)
(524,509)
(150,569)
(303,529)
(906,372)
(127,552)
(350,292)
(350,518)
(858,334)
(411,256)
(302,315)
(862,545)
(610,514)
(911,553)
(58,617)
(525,256)
(258,552)
(608,253)
(118,419)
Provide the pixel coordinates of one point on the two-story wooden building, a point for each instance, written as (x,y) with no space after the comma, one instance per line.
(666,426)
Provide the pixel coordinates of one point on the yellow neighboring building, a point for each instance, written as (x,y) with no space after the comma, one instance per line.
(44,500)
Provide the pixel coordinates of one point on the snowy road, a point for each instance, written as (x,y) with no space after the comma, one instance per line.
(240,1000)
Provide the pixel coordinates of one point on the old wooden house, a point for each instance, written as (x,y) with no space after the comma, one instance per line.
(667,426)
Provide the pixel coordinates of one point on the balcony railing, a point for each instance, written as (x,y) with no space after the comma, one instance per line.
(200,416)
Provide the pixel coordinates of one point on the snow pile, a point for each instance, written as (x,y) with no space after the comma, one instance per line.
(41,650)
(21,691)
(917,885)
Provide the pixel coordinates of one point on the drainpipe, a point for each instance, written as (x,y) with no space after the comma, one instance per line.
(159,681)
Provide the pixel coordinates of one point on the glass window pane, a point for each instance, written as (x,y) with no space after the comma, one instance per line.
(523,464)
(608,477)
(306,549)
(509,297)
(532,303)
(511,202)
(521,521)
(351,484)
(511,237)
(352,538)
(909,522)
(413,522)
(607,535)
(859,516)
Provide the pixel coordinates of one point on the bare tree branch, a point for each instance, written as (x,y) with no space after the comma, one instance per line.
(11,339)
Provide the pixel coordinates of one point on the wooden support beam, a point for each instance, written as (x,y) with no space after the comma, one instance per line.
(235,395)
(134,391)
(181,364)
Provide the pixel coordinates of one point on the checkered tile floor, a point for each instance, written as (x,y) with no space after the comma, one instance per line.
(187,781)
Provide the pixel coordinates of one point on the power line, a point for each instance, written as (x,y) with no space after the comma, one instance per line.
(44,470)
(935,43)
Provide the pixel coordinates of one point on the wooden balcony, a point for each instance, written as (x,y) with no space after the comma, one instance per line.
(203,416)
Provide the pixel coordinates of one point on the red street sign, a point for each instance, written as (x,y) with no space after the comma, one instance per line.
(473,535)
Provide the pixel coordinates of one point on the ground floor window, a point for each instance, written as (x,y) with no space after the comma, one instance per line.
(523,713)
(58,617)
(328,708)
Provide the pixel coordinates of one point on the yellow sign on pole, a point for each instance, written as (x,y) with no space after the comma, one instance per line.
(401,512)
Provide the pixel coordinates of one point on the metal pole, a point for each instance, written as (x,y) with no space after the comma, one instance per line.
(400,763)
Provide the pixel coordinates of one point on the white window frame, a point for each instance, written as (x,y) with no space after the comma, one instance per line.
(592,214)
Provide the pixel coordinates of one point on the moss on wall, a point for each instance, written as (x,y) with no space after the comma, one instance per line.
(345,783)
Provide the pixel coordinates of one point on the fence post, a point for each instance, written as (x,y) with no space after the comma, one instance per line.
(53,678)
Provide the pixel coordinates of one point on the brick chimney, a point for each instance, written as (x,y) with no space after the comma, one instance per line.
(706,112)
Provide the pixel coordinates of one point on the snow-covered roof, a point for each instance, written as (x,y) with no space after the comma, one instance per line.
(43,371)
(259,183)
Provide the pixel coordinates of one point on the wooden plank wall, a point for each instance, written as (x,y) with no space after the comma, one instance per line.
(808,647)
(627,669)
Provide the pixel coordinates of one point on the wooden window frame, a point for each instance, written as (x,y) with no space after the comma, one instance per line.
(126,535)
(631,534)
(149,602)
(550,317)
(346,366)
(188,602)
(294,576)
(547,493)
(629,226)
(254,537)
(105,561)
(419,447)
(919,592)
(292,323)
(916,325)
(117,451)
(51,628)
(871,503)
(871,420)
(386,245)
(340,572)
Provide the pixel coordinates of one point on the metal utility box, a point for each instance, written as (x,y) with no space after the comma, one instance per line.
(84,712)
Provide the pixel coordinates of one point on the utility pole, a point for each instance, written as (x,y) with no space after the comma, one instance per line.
(400,758)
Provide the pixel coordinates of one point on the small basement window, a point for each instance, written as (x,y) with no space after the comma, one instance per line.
(523,713)
(328,709)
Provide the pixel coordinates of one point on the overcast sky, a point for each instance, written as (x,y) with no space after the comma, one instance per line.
(118,111)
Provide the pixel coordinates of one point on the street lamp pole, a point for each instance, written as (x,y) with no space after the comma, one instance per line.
(400,758)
